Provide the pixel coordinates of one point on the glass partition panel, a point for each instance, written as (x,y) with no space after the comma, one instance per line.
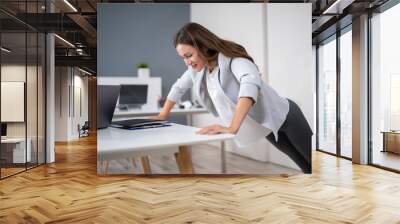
(385,87)
(41,79)
(22,62)
(327,96)
(14,153)
(346,94)
(31,98)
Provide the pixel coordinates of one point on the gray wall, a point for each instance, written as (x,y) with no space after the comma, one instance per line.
(132,33)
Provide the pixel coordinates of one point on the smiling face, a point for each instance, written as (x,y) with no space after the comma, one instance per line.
(191,56)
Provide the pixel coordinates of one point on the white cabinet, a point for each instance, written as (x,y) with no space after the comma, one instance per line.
(18,149)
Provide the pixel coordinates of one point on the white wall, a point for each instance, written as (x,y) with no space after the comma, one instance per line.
(80,83)
(278,37)
(244,24)
(61,103)
(289,57)
(18,73)
(66,121)
(33,125)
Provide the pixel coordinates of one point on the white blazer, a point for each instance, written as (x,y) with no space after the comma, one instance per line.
(239,77)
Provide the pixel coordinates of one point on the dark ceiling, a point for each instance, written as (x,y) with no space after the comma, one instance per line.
(77,22)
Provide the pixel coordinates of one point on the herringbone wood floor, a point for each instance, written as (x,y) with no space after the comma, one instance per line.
(70,191)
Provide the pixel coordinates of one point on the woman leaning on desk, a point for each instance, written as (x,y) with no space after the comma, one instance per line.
(227,82)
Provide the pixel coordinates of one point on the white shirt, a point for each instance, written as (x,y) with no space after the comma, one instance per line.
(239,77)
(249,131)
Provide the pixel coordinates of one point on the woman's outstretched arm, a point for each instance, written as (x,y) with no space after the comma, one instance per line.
(168,105)
(178,89)
(242,108)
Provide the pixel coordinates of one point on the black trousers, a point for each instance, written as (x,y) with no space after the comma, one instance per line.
(295,138)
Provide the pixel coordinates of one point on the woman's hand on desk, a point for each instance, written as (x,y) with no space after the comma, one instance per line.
(215,129)
(158,117)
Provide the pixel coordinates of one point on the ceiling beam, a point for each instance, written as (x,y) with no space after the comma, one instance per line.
(337,7)
(86,26)
(85,61)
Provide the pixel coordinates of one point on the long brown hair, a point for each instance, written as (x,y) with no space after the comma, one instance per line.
(208,44)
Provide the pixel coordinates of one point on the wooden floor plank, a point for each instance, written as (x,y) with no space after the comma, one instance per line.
(70,191)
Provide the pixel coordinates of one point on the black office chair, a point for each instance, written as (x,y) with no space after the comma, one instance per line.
(84,130)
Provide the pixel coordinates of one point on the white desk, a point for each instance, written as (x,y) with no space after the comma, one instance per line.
(19,149)
(124,114)
(115,143)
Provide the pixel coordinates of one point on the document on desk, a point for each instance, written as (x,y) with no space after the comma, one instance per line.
(133,124)
(147,127)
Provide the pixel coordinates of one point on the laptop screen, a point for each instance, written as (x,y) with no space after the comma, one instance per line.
(107,96)
(3,129)
(133,94)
